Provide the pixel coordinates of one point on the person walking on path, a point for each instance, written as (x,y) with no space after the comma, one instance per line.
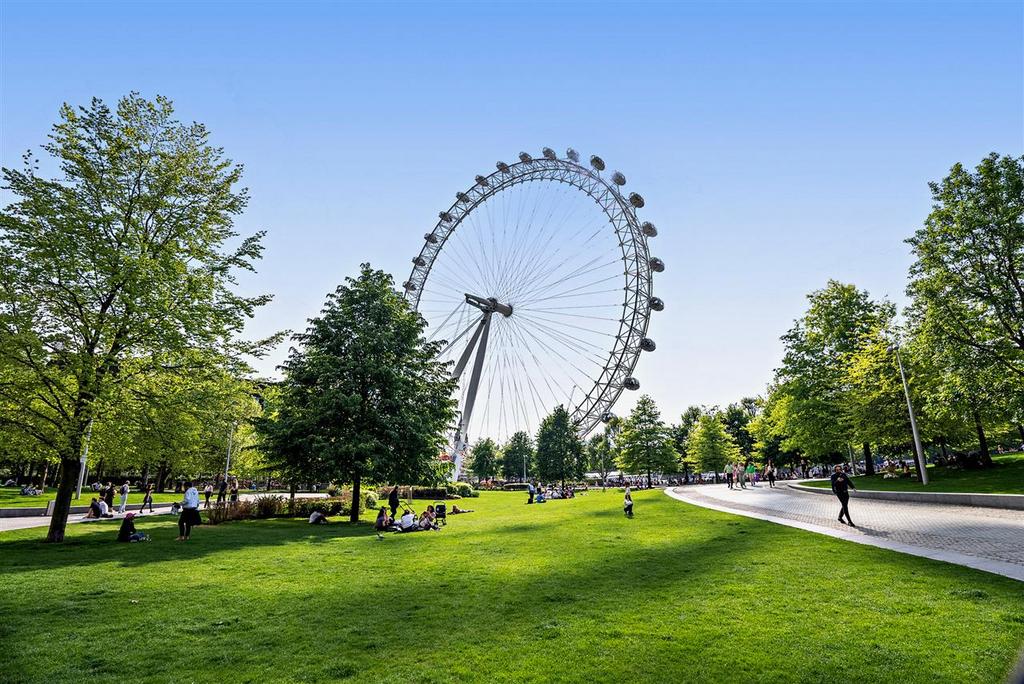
(147,499)
(627,504)
(394,501)
(752,474)
(222,490)
(769,472)
(737,475)
(234,492)
(841,484)
(207,492)
(531,490)
(728,474)
(189,517)
(125,488)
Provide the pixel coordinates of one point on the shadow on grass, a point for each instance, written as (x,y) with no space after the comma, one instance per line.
(99,543)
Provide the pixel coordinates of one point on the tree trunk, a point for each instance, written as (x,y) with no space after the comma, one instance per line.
(1020,429)
(354,515)
(145,474)
(31,471)
(161,476)
(99,470)
(648,479)
(869,462)
(65,490)
(986,457)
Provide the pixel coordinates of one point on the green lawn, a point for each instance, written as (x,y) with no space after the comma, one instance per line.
(10,497)
(569,591)
(1006,477)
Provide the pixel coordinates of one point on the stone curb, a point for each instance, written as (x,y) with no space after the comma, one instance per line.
(1009,501)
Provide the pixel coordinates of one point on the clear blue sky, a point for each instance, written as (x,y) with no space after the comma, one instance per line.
(777,145)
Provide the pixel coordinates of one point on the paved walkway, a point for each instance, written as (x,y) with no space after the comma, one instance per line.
(27,521)
(984,538)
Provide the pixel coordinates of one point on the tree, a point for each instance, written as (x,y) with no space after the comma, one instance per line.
(644,444)
(601,452)
(970,259)
(814,369)
(119,262)
(517,457)
(364,396)
(737,419)
(769,429)
(681,434)
(559,449)
(484,455)
(711,445)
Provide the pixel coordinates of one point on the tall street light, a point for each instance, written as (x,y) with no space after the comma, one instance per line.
(913,421)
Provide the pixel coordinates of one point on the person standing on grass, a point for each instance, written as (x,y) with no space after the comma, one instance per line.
(108,495)
(125,488)
(627,504)
(531,490)
(841,484)
(189,517)
(207,492)
(222,490)
(147,498)
(393,501)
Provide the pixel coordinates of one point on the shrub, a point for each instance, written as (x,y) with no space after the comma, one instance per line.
(370,500)
(333,490)
(516,486)
(222,513)
(303,508)
(460,489)
(268,505)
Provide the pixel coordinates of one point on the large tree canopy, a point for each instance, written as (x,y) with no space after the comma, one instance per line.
(970,259)
(644,444)
(118,268)
(364,396)
(559,454)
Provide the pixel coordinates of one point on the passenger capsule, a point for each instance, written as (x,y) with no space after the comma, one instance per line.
(445,217)
(636,200)
(647,344)
(502,166)
(631,384)
(656,304)
(573,155)
(462,197)
(409,286)
(657,265)
(419,261)
(525,157)
(549,154)
(481,181)
(431,238)
(618,178)
(648,229)
(597,162)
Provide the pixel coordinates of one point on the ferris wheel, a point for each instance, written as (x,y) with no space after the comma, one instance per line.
(539,279)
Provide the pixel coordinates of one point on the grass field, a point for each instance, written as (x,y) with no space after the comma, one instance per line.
(569,591)
(11,497)
(1005,477)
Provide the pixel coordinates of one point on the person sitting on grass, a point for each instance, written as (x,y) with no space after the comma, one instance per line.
(627,504)
(95,512)
(104,509)
(456,510)
(128,533)
(384,522)
(427,519)
(408,521)
(317,518)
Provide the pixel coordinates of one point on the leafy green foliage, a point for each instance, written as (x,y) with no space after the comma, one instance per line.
(559,449)
(484,459)
(364,397)
(117,270)
(711,445)
(644,444)
(517,456)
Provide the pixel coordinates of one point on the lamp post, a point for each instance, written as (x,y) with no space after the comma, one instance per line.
(85,457)
(919,452)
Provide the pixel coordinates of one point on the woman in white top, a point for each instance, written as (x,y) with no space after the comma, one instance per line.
(189,513)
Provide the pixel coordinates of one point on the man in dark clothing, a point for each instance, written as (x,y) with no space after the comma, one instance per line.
(841,484)
(108,495)
(393,501)
(222,491)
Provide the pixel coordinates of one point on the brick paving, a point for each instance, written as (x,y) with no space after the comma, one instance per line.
(949,532)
